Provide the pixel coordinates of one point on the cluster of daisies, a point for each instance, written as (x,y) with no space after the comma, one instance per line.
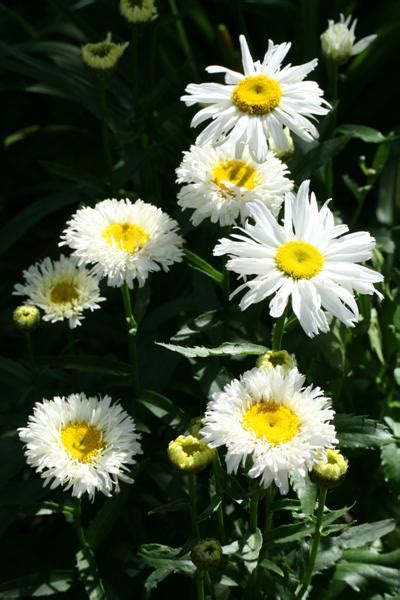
(235,174)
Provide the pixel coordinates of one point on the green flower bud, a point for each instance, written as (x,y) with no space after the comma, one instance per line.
(26,317)
(138,11)
(190,454)
(275,358)
(206,554)
(330,470)
(104,55)
(194,427)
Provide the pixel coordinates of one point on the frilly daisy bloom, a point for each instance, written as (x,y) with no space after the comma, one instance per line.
(307,259)
(87,444)
(270,418)
(62,289)
(338,40)
(248,108)
(218,186)
(124,241)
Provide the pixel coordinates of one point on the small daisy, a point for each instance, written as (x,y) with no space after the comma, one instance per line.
(62,289)
(307,258)
(338,40)
(124,240)
(218,186)
(250,107)
(269,417)
(86,444)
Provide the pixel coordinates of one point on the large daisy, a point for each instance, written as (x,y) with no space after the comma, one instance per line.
(124,241)
(307,259)
(218,186)
(269,417)
(251,106)
(62,289)
(87,444)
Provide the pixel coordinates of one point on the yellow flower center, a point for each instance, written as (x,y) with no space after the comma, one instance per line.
(126,236)
(299,260)
(64,293)
(257,94)
(82,441)
(237,173)
(271,421)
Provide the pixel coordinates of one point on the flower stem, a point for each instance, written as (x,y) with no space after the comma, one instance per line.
(315,545)
(269,498)
(278,331)
(200,584)
(220,511)
(104,129)
(88,570)
(131,329)
(183,38)
(192,485)
(254,510)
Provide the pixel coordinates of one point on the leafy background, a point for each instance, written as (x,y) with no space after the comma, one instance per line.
(52,160)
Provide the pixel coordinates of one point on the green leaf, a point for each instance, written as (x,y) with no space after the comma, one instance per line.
(38,584)
(390,455)
(198,263)
(159,555)
(365,577)
(359,535)
(88,575)
(162,407)
(355,431)
(328,555)
(366,134)
(156,577)
(225,349)
(305,166)
(388,559)
(13,368)
(104,520)
(175,505)
(306,491)
(271,566)
(375,335)
(250,550)
(87,363)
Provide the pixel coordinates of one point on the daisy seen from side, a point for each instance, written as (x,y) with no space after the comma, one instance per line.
(307,259)
(252,106)
(84,443)
(218,186)
(123,240)
(267,416)
(62,289)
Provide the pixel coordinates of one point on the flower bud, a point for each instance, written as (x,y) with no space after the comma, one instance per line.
(275,358)
(286,152)
(337,41)
(206,554)
(26,317)
(190,454)
(104,55)
(138,11)
(330,470)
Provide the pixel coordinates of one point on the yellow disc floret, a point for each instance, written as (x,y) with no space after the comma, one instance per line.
(257,95)
(271,421)
(64,293)
(126,236)
(82,441)
(299,260)
(190,454)
(235,172)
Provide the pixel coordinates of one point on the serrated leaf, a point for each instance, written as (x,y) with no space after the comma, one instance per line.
(225,349)
(306,491)
(362,577)
(162,407)
(156,577)
(329,553)
(362,132)
(250,550)
(356,431)
(159,555)
(88,574)
(198,263)
(390,455)
(38,584)
(359,535)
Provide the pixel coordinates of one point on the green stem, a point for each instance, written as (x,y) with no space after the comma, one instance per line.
(131,329)
(220,511)
(315,545)
(269,498)
(333,74)
(183,38)
(192,485)
(91,580)
(259,573)
(104,128)
(278,331)
(200,584)
(210,585)
(254,510)
(29,347)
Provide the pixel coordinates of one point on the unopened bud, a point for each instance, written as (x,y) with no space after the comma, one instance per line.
(206,554)
(190,454)
(330,470)
(138,11)
(276,358)
(26,317)
(104,55)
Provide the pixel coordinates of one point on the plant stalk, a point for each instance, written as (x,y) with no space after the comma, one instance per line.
(131,329)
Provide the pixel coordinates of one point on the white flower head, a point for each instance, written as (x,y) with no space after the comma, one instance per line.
(269,417)
(307,259)
(124,241)
(62,289)
(338,41)
(252,106)
(138,11)
(87,444)
(218,186)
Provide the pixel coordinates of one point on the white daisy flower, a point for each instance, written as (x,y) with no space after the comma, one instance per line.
(62,289)
(269,417)
(307,258)
(338,40)
(218,186)
(124,240)
(86,444)
(250,107)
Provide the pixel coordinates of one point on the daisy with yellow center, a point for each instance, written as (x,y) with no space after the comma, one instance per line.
(124,241)
(87,444)
(307,259)
(269,417)
(62,289)
(253,108)
(218,186)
